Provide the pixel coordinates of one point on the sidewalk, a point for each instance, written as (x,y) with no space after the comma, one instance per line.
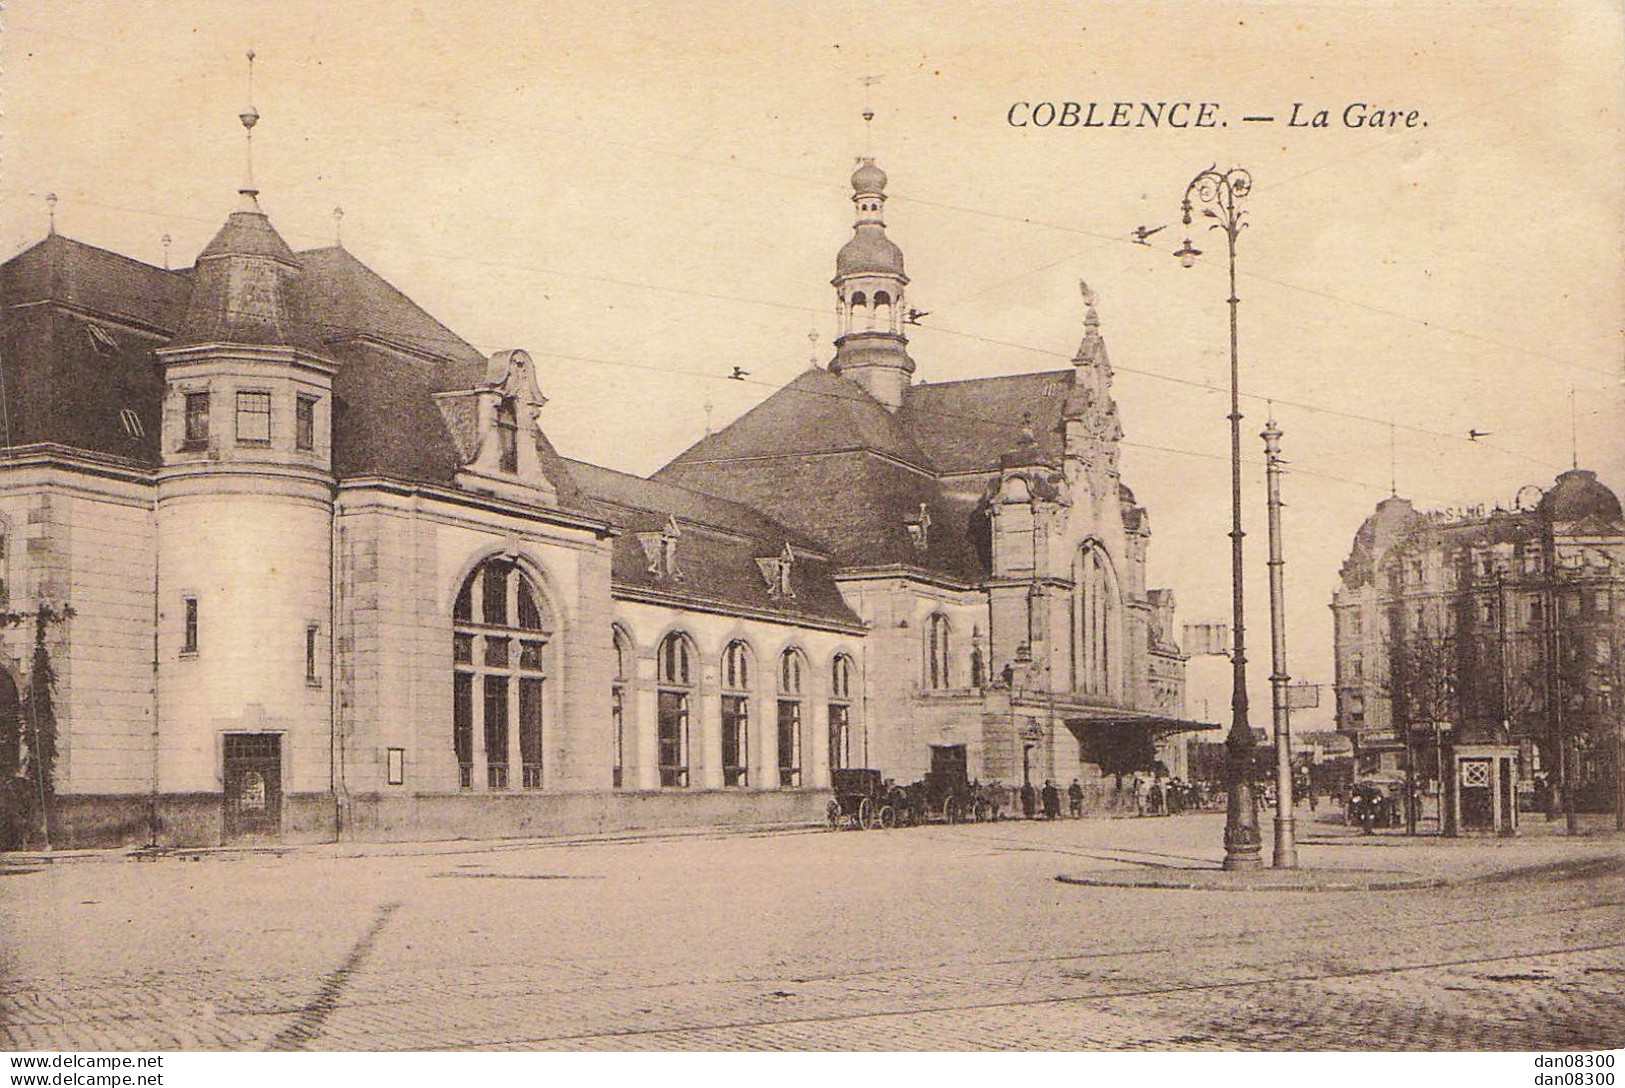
(20,859)
(1335,857)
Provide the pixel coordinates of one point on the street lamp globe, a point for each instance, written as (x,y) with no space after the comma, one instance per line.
(1187,254)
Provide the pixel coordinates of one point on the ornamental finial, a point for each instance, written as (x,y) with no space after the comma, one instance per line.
(249,117)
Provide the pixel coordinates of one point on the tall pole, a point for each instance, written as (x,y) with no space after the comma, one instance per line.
(1286,843)
(1216,194)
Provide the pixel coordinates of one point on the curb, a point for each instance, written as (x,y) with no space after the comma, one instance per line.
(1220,880)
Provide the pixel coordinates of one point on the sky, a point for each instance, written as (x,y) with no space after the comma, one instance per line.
(645,196)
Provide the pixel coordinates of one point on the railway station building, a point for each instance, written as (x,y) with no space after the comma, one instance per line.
(291,561)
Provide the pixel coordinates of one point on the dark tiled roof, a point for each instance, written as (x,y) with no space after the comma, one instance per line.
(247,288)
(608,487)
(717,551)
(349,299)
(70,376)
(817,412)
(854,504)
(967,426)
(68,384)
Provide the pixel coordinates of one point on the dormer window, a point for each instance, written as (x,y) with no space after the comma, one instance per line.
(508,434)
(777,573)
(661,549)
(919,528)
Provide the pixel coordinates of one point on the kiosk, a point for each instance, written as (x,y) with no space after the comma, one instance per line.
(1481,785)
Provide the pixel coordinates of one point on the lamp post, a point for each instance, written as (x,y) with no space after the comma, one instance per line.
(1216,194)
(1286,842)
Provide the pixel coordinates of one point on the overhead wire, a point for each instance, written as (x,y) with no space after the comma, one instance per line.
(1209,387)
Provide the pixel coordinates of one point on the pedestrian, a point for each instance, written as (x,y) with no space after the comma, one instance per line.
(1074,796)
(1137,790)
(1029,800)
(1052,800)
(1153,798)
(1176,797)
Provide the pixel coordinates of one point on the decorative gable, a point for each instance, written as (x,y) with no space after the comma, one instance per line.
(777,572)
(661,549)
(495,425)
(919,528)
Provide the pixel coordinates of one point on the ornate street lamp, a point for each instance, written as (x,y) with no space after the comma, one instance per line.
(1216,194)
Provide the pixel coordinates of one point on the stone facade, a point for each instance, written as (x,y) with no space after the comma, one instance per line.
(329,578)
(1505,619)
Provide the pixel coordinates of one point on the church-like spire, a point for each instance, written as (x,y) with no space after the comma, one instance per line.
(246,285)
(869,284)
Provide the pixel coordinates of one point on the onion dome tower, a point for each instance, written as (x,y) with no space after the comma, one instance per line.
(869,283)
(245,536)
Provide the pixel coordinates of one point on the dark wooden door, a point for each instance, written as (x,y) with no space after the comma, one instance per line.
(253,774)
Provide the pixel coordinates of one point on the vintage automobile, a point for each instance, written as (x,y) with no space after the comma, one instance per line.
(1374,803)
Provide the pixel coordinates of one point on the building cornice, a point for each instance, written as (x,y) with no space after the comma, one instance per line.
(416,489)
(905,571)
(621,591)
(73,459)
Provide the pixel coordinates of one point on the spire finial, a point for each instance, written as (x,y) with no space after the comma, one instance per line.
(1393,463)
(249,117)
(338,226)
(164,241)
(50,211)
(1574,433)
(708,407)
(1090,297)
(812,348)
(868,114)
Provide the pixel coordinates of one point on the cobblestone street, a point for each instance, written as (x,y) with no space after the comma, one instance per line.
(933,938)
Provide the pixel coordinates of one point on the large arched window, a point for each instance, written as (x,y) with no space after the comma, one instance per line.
(938,657)
(738,672)
(500,652)
(676,686)
(617,712)
(841,673)
(1096,622)
(792,711)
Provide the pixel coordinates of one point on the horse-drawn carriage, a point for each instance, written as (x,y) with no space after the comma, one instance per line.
(864,799)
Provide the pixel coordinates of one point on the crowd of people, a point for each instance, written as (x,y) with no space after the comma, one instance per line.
(1154,796)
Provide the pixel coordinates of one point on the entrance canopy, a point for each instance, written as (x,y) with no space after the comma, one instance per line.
(1158,725)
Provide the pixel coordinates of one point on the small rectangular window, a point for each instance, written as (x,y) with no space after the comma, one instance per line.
(304,423)
(197,420)
(312,641)
(253,416)
(189,627)
(397,766)
(508,435)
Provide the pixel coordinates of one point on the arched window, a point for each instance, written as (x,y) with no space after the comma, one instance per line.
(882,311)
(841,671)
(738,670)
(938,675)
(676,687)
(792,675)
(1095,623)
(623,677)
(500,649)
